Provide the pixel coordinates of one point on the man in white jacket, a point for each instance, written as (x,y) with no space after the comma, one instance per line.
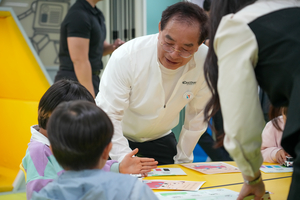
(150,79)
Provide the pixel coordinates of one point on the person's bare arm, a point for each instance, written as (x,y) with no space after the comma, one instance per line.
(79,50)
(109,48)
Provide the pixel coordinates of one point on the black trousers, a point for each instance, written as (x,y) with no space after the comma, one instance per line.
(295,185)
(70,75)
(216,154)
(162,150)
(207,142)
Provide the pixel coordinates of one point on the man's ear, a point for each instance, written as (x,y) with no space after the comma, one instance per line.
(106,151)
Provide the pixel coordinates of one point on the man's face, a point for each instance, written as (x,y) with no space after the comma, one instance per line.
(182,37)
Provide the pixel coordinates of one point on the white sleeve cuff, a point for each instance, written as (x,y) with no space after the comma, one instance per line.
(186,145)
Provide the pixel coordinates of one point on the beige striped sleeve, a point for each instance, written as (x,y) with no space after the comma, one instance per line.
(236,49)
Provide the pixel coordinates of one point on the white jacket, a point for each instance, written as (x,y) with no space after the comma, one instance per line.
(132,94)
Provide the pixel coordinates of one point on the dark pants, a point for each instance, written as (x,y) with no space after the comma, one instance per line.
(207,143)
(162,150)
(295,185)
(216,154)
(70,75)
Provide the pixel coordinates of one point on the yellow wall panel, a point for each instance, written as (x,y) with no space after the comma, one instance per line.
(23,81)
(16,118)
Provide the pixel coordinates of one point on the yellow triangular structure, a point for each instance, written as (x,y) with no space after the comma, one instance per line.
(23,81)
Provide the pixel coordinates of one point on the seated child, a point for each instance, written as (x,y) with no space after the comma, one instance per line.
(271,148)
(39,162)
(80,136)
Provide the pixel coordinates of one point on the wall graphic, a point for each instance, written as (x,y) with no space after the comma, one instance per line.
(41,20)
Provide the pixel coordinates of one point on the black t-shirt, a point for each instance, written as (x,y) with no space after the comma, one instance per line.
(82,20)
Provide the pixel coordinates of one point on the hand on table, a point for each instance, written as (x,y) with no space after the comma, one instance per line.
(258,190)
(281,156)
(136,165)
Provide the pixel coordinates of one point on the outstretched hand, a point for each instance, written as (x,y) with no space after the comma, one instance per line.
(136,165)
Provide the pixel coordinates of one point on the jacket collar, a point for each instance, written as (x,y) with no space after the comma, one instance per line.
(37,136)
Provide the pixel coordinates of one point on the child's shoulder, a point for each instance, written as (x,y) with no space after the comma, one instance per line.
(123,183)
(38,147)
(37,154)
(270,127)
(112,176)
(112,180)
(98,183)
(132,188)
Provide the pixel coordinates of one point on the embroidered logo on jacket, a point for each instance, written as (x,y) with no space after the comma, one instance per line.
(189,82)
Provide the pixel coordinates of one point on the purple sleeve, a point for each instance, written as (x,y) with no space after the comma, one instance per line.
(36,186)
(108,165)
(39,166)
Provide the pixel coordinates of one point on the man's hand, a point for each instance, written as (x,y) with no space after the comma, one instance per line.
(109,48)
(118,42)
(258,189)
(281,156)
(136,165)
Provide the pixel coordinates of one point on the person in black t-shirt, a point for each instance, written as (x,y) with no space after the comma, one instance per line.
(82,45)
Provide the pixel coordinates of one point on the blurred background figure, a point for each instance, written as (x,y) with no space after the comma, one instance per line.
(82,45)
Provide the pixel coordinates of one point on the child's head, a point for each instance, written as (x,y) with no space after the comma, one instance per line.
(79,132)
(63,90)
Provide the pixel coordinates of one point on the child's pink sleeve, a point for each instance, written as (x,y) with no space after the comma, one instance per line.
(271,138)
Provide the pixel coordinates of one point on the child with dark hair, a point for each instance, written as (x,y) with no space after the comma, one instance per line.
(39,162)
(80,135)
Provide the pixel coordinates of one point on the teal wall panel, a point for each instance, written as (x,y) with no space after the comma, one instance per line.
(154,11)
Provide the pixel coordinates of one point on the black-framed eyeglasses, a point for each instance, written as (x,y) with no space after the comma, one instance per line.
(170,49)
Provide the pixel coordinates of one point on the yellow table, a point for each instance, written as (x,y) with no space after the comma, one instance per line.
(276,183)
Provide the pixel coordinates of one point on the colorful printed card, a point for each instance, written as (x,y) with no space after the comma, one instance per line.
(166,172)
(211,194)
(212,167)
(275,168)
(174,185)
